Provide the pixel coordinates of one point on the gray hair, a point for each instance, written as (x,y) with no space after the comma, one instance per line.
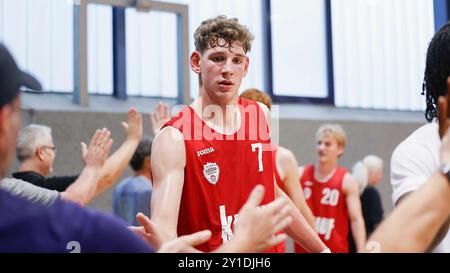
(373,162)
(361,174)
(30,138)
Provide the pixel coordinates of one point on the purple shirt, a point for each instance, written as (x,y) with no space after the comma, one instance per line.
(62,227)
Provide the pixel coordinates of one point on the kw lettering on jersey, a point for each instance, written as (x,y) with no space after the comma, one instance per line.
(308,184)
(325,226)
(205,151)
(211,172)
(226,221)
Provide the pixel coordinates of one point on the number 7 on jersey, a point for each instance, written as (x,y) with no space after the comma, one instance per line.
(258,146)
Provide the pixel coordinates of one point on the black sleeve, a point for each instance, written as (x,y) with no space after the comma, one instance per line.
(59,183)
(374,210)
(378,207)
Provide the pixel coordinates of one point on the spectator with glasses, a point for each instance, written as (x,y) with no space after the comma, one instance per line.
(36,152)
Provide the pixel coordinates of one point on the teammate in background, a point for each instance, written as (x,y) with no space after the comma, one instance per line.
(332,193)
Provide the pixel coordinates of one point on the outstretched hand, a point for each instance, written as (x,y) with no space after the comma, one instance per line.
(160,116)
(98,150)
(256,226)
(133,126)
(150,233)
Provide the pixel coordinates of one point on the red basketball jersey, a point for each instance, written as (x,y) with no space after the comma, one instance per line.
(221,171)
(328,204)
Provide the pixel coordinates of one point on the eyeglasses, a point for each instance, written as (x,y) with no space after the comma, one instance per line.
(49,147)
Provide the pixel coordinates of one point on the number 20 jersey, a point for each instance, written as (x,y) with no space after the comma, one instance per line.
(329,207)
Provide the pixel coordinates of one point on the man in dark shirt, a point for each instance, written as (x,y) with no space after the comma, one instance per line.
(58,183)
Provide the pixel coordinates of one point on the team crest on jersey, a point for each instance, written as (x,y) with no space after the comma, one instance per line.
(211,172)
(307,192)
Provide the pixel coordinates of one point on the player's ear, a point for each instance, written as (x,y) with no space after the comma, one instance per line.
(195,62)
(341,150)
(247,62)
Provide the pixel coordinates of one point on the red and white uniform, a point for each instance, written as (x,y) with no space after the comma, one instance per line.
(221,171)
(328,205)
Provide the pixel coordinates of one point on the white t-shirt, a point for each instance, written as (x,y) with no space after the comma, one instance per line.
(413,162)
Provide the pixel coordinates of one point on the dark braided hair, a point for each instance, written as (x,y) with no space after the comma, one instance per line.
(437,70)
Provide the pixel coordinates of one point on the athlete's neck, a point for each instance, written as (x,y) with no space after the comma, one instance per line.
(223,118)
(324,170)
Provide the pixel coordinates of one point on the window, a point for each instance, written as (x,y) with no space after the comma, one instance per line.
(379,49)
(299,49)
(100,56)
(151,50)
(39,35)
(350,53)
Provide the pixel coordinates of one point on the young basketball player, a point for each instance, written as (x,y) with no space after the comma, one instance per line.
(332,193)
(208,158)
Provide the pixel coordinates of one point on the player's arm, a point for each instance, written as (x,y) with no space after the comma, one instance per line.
(168,162)
(287,163)
(299,229)
(351,193)
(440,234)
(118,161)
(414,223)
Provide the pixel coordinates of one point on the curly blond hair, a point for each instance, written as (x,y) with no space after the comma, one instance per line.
(212,31)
